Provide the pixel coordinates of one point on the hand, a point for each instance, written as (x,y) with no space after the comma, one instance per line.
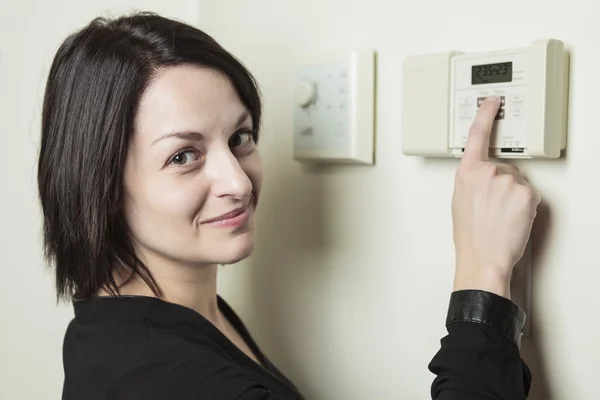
(493,209)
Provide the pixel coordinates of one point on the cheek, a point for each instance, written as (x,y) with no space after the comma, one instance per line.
(169,200)
(253,168)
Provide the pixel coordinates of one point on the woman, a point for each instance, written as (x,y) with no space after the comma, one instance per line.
(149,178)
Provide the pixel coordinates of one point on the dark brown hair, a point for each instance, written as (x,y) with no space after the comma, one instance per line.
(92,94)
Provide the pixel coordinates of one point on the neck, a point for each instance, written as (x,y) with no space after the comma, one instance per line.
(194,287)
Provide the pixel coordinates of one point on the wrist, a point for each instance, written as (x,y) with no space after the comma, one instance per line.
(486,279)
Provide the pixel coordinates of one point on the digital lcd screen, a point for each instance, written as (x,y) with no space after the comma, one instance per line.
(491,73)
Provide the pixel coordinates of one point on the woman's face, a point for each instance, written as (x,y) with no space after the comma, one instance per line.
(193,173)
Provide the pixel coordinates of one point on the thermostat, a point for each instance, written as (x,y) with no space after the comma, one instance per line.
(334,108)
(442,92)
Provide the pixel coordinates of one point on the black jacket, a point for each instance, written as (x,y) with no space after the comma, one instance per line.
(134,348)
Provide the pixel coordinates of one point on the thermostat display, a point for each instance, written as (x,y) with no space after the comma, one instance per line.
(491,73)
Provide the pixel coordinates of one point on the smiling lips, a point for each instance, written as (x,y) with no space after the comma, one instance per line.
(235,218)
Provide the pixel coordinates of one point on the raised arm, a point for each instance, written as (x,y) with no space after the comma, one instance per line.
(493,210)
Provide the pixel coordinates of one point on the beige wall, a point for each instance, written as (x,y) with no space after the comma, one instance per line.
(349,285)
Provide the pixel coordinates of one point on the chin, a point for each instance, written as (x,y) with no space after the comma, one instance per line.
(237,250)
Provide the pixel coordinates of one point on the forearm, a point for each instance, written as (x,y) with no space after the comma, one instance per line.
(480,357)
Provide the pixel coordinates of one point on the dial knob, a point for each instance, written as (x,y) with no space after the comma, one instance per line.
(306,93)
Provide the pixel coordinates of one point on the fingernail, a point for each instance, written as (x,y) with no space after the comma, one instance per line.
(492,99)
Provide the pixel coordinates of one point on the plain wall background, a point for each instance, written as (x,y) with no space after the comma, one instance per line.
(348,288)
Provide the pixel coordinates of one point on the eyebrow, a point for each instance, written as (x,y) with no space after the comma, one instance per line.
(186,135)
(196,136)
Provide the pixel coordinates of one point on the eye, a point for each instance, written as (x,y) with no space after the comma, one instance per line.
(185,157)
(241,139)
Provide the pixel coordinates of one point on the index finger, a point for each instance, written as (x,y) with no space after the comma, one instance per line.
(478,142)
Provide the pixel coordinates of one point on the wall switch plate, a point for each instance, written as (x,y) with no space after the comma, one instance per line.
(334,109)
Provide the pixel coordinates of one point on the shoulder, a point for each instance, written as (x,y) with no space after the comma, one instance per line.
(186,379)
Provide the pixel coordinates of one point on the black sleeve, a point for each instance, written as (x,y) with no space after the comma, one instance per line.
(480,357)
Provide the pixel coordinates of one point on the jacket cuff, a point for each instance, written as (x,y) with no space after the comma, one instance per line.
(477,306)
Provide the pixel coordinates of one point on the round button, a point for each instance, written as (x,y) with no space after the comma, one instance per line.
(305,93)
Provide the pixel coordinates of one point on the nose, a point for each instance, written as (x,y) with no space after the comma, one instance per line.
(227,175)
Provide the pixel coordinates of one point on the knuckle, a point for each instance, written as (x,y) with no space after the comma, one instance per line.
(528,195)
(489,170)
(525,192)
(506,182)
(507,179)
